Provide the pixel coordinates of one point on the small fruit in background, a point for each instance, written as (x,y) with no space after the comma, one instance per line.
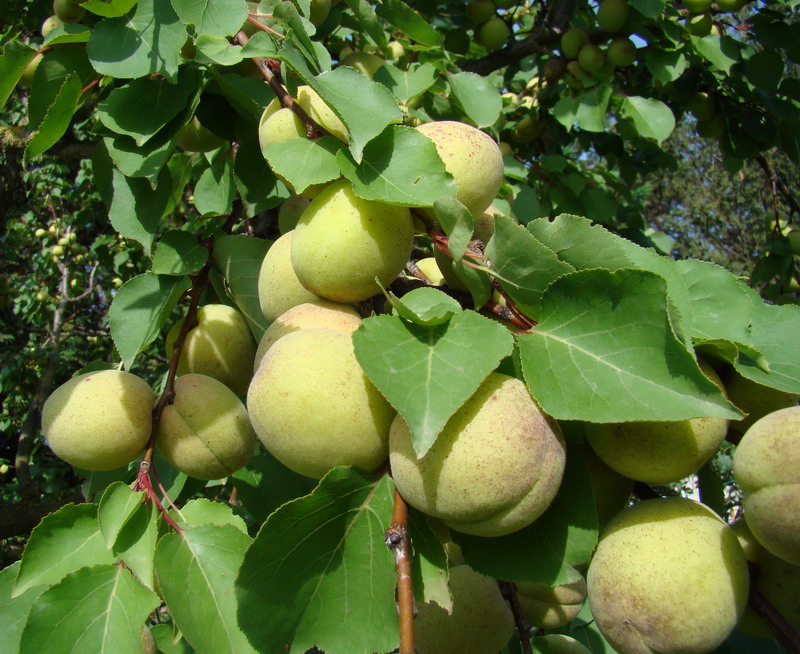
(395,50)
(591,58)
(572,41)
(68,11)
(494,33)
(364,62)
(700,24)
(731,5)
(479,11)
(697,6)
(40,233)
(612,14)
(99,420)
(559,644)
(622,52)
(701,104)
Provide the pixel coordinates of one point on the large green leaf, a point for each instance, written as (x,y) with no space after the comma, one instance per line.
(605,351)
(548,550)
(406,84)
(216,189)
(139,310)
(427,373)
(477,96)
(652,118)
(303,162)
(145,43)
(61,543)
(401,166)
(592,108)
(196,570)
(215,17)
(408,21)
(239,259)
(721,51)
(179,253)
(100,609)
(319,572)
(116,507)
(56,120)
(109,8)
(14,60)
(143,106)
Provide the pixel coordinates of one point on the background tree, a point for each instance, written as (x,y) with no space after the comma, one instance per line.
(144,178)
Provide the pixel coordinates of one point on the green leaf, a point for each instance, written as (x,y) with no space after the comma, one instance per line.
(109,8)
(62,542)
(563,537)
(652,118)
(427,373)
(765,70)
(406,84)
(196,572)
(239,259)
(665,66)
(426,306)
(53,70)
(721,51)
(303,162)
(143,106)
(365,106)
(565,111)
(217,50)
(477,96)
(215,17)
(135,207)
(202,511)
(136,543)
(101,608)
(179,253)
(169,640)
(257,184)
(57,119)
(368,20)
(319,572)
(721,308)
(69,33)
(146,43)
(428,563)
(592,108)
(769,330)
(14,60)
(216,189)
(14,610)
(264,484)
(145,161)
(139,310)
(401,166)
(116,506)
(409,22)
(649,8)
(605,351)
(523,264)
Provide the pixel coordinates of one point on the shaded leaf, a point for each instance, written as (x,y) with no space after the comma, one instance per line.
(426,306)
(202,511)
(721,51)
(216,189)
(56,121)
(592,108)
(319,572)
(116,506)
(139,310)
(101,608)
(652,118)
(408,21)
(14,60)
(215,17)
(427,373)
(14,610)
(477,96)
(109,8)
(406,84)
(178,253)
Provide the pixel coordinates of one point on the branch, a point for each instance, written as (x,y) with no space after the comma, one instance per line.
(509,593)
(784,632)
(20,519)
(396,538)
(778,183)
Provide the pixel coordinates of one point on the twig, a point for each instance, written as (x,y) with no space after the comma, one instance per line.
(784,632)
(509,592)
(396,538)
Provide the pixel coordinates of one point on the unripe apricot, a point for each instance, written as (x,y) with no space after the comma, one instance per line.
(766,465)
(364,62)
(322,315)
(99,420)
(313,407)
(572,41)
(473,159)
(668,575)
(493,469)
(756,400)
(612,14)
(480,622)
(279,289)
(206,431)
(550,607)
(343,242)
(220,346)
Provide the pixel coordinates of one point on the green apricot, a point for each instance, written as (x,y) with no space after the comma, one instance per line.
(220,346)
(493,469)
(572,41)
(668,575)
(343,242)
(731,5)
(472,157)
(479,11)
(701,104)
(612,14)
(480,621)
(49,24)
(591,58)
(550,607)
(494,33)
(313,407)
(560,644)
(206,431)
(431,270)
(364,62)
(697,6)
(700,24)
(755,400)
(280,125)
(622,52)
(99,420)
(68,11)
(290,212)
(321,314)
(766,466)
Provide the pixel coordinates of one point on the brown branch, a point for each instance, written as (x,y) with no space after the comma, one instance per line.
(396,538)
(20,519)
(783,631)
(776,181)
(509,593)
